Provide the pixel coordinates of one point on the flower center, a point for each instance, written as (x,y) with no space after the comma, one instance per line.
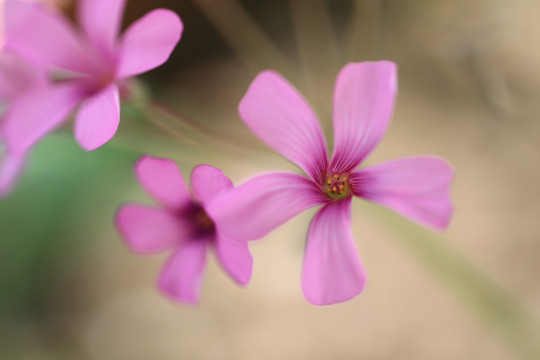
(105,80)
(203,224)
(202,220)
(337,186)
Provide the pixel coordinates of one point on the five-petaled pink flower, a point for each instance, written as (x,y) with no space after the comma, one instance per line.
(88,64)
(182,224)
(416,187)
(17,80)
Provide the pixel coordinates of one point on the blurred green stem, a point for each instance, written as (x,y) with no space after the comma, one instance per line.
(498,308)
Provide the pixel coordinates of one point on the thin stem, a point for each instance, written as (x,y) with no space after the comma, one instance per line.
(180,118)
(249,42)
(364,33)
(318,52)
(495,306)
(189,131)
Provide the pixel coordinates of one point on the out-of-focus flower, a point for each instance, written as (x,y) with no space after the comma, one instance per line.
(181,223)
(88,65)
(416,187)
(17,80)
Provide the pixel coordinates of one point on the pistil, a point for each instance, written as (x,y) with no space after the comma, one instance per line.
(337,186)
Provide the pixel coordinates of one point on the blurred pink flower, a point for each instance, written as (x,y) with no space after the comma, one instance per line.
(416,187)
(17,80)
(181,223)
(89,65)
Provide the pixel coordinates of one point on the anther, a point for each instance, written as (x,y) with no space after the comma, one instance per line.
(336,186)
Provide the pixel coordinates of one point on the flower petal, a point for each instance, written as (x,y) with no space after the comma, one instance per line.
(417,187)
(147,230)
(98,118)
(275,111)
(262,204)
(36,114)
(162,180)
(207,182)
(101,20)
(44,37)
(235,258)
(17,77)
(181,278)
(11,167)
(149,42)
(363,103)
(332,271)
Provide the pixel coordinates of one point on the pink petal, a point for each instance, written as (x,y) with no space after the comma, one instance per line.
(2,24)
(162,179)
(98,118)
(101,20)
(416,187)
(149,42)
(36,114)
(207,182)
(11,167)
(332,271)
(235,258)
(44,37)
(17,77)
(363,103)
(181,278)
(275,111)
(262,204)
(148,230)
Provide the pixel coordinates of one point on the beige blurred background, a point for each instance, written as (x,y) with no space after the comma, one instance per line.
(469,75)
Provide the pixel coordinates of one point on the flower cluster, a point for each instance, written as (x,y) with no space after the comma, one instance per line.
(49,68)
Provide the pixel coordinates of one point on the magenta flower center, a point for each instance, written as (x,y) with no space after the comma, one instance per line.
(203,225)
(203,221)
(100,82)
(337,187)
(105,80)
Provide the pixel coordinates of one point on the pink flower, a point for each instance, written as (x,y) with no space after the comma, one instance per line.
(181,223)
(17,79)
(89,65)
(416,187)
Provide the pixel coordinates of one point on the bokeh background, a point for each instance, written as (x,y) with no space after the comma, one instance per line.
(469,91)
